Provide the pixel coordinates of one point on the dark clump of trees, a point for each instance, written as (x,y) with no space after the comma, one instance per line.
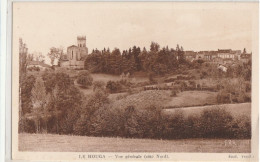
(53,104)
(157,61)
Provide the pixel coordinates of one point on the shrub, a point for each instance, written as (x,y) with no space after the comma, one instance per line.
(173,93)
(241,127)
(223,97)
(176,125)
(192,83)
(113,86)
(98,85)
(26,125)
(216,123)
(84,79)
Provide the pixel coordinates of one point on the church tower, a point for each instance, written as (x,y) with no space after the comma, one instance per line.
(83,50)
(81,41)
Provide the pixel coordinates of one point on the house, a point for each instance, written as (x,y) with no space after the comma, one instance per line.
(74,59)
(210,55)
(190,55)
(200,55)
(222,67)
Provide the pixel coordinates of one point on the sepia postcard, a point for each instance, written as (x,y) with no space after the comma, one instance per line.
(135,81)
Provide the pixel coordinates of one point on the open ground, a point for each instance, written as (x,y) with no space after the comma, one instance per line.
(67,143)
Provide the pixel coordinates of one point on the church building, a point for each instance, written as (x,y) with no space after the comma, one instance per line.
(74,59)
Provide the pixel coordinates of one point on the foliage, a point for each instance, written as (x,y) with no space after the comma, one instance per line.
(174,93)
(233,91)
(40,100)
(158,61)
(34,68)
(98,85)
(84,79)
(113,86)
(87,114)
(55,54)
(216,123)
(26,85)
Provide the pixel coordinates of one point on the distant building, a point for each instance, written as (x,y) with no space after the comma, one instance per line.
(74,59)
(200,55)
(190,55)
(221,56)
(210,55)
(228,54)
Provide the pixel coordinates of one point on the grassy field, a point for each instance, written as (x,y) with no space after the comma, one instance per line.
(144,99)
(234,109)
(163,98)
(107,77)
(65,143)
(193,98)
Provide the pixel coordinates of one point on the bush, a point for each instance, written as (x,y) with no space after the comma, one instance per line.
(216,123)
(173,93)
(34,68)
(113,86)
(84,79)
(26,125)
(241,127)
(223,97)
(98,85)
(176,126)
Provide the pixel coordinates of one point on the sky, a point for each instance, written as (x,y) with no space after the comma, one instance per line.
(195,26)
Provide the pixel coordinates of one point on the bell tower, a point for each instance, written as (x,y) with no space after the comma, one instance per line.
(81,41)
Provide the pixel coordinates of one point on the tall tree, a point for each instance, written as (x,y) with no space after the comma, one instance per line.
(39,102)
(55,54)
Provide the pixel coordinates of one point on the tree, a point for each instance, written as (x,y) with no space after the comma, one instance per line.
(55,54)
(23,58)
(244,51)
(26,85)
(38,56)
(84,79)
(88,121)
(155,47)
(39,101)
(115,61)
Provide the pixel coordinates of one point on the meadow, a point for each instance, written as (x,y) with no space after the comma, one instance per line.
(68,143)
(236,110)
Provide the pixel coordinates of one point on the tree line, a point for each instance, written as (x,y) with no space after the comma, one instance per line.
(157,60)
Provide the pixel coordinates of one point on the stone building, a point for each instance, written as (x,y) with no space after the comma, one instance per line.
(190,55)
(74,59)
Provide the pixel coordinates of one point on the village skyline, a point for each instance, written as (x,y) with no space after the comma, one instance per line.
(64,48)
